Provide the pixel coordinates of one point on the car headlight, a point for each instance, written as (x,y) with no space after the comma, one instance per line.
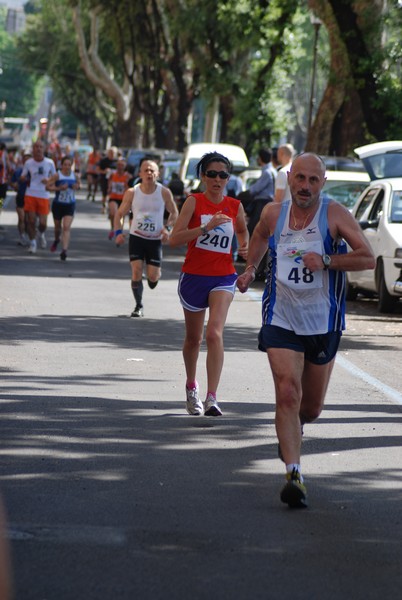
(398,253)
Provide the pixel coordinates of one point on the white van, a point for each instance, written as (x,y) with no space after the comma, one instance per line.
(194,152)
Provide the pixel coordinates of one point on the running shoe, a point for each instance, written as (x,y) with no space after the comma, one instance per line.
(42,241)
(53,247)
(211,408)
(63,255)
(138,311)
(193,402)
(111,235)
(32,247)
(24,240)
(294,493)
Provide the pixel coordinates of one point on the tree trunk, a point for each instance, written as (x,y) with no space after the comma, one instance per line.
(359,29)
(348,129)
(319,137)
(128,132)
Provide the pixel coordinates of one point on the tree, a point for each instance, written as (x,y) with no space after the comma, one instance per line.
(18,85)
(360,103)
(154,86)
(51,28)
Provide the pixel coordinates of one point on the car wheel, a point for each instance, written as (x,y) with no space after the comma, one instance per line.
(386,302)
(351,292)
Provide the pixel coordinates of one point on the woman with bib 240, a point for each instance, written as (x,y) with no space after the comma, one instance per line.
(207,223)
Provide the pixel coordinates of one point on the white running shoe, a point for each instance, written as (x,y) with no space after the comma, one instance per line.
(24,240)
(193,402)
(32,247)
(42,241)
(211,408)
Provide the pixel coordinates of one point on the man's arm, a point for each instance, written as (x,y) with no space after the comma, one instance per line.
(242,232)
(343,225)
(121,212)
(171,207)
(258,244)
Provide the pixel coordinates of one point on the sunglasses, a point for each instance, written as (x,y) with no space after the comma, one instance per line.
(220,174)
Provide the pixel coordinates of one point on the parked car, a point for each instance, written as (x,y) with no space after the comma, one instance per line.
(379,212)
(249,176)
(344,163)
(345,186)
(133,157)
(194,152)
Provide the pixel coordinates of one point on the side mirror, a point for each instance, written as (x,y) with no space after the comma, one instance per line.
(371,224)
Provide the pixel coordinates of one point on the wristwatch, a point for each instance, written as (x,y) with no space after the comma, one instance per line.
(204,229)
(326,259)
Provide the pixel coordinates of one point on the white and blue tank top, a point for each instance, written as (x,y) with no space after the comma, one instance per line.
(65,196)
(295,298)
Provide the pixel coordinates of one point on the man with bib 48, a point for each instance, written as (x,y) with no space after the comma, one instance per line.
(303,306)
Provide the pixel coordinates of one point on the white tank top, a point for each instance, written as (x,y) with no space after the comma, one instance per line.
(302,300)
(148,211)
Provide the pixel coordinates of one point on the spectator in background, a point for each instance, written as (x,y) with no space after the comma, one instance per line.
(234,187)
(118,184)
(94,159)
(275,161)
(20,187)
(262,190)
(285,157)
(3,173)
(176,186)
(107,165)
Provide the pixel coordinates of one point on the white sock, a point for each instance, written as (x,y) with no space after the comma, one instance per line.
(291,466)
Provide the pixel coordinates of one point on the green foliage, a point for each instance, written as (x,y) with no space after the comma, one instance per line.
(48,47)
(18,87)
(389,79)
(256,55)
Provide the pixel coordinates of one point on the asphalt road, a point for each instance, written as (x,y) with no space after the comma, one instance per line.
(113,492)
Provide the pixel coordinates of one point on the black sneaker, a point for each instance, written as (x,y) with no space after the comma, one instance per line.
(138,311)
(63,255)
(294,493)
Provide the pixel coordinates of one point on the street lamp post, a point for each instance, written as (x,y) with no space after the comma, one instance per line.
(316,22)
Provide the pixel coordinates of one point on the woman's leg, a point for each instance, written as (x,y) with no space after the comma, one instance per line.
(194,322)
(66,226)
(219,303)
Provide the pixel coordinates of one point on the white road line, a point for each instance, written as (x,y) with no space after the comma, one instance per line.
(348,366)
(385,389)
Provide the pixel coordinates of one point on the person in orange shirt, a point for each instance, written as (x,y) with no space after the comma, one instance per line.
(118,184)
(92,173)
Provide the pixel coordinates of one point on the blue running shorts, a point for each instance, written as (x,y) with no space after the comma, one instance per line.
(195,289)
(319,349)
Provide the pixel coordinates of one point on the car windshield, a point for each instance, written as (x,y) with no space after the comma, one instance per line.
(345,193)
(396,207)
(388,164)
